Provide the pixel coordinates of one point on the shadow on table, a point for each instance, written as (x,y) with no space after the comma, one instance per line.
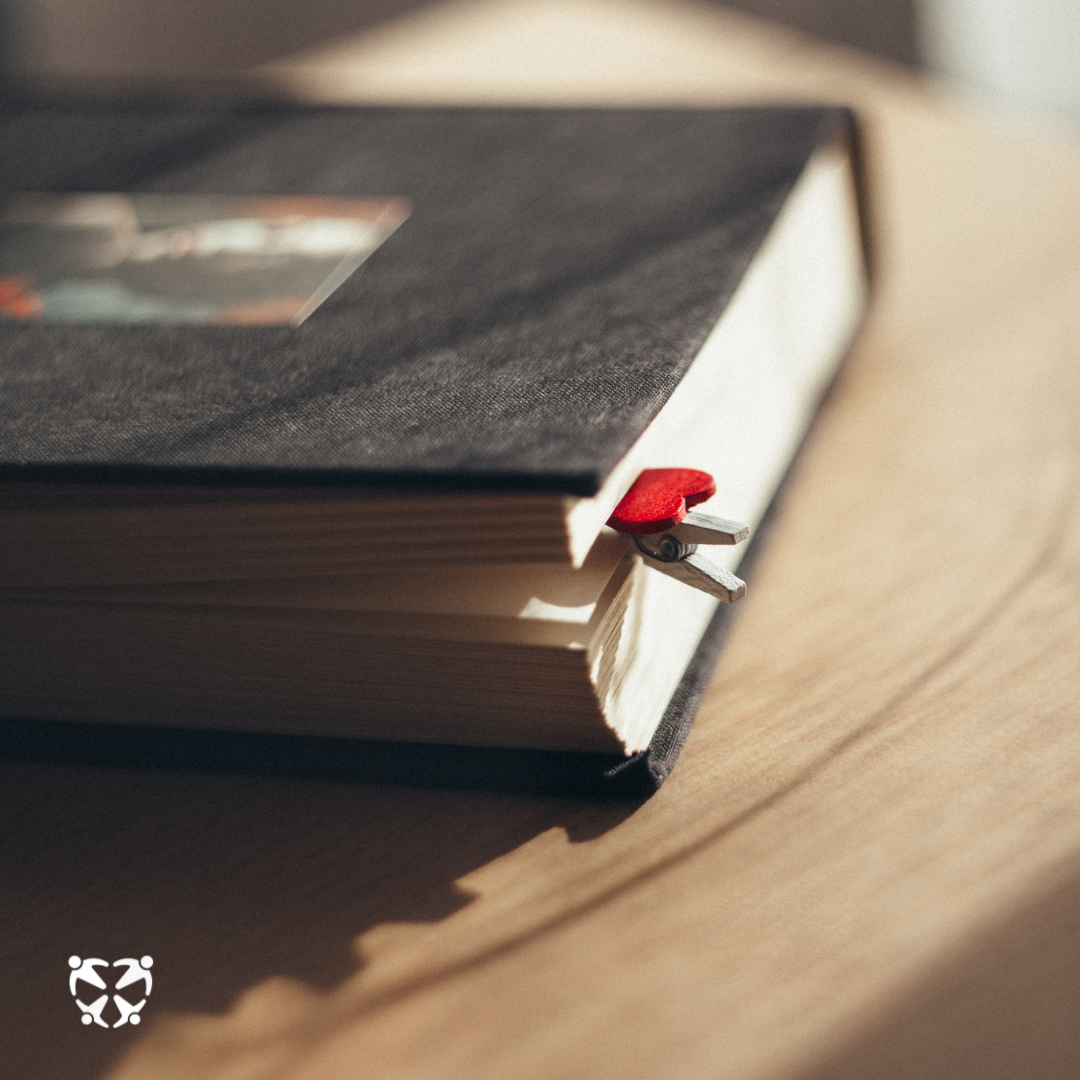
(225,880)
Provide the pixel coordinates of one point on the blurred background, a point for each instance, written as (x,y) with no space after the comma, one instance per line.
(1021,57)
(120,37)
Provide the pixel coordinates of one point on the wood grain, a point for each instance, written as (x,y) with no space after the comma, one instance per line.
(868,858)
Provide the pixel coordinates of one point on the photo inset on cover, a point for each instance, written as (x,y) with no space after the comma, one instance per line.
(194,259)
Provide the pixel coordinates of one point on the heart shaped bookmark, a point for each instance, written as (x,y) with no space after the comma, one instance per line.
(659,498)
(656,512)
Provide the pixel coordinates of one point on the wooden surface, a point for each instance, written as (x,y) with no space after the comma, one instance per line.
(867,862)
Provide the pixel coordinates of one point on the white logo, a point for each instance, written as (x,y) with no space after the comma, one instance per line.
(86,971)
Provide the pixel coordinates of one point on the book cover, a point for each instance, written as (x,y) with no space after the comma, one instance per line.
(558,274)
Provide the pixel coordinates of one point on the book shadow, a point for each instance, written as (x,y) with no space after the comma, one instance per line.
(225,877)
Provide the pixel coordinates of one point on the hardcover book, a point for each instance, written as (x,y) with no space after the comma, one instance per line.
(367,534)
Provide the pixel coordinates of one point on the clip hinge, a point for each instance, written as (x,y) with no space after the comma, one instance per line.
(675,553)
(681,561)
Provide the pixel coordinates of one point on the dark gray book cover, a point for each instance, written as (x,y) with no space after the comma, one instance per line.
(556,277)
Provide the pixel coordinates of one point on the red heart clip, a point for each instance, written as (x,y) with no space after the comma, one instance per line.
(659,499)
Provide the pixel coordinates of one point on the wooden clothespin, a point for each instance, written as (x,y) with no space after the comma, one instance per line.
(656,513)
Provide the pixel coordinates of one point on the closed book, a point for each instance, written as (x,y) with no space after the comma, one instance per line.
(375,536)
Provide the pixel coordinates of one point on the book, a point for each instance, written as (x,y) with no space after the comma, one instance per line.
(383,531)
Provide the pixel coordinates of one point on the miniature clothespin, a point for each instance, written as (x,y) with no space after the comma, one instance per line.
(656,513)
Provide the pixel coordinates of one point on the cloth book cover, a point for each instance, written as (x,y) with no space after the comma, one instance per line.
(522,293)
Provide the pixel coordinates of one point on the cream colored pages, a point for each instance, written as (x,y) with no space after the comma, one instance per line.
(554,592)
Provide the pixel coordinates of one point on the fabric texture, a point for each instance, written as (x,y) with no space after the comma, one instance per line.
(558,274)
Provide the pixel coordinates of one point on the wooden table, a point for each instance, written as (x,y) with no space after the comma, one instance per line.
(867,863)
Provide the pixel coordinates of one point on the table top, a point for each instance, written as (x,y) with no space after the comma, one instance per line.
(867,862)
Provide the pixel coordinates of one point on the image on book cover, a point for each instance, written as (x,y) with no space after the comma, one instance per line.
(193,259)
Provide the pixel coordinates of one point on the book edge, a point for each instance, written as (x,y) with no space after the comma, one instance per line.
(413,764)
